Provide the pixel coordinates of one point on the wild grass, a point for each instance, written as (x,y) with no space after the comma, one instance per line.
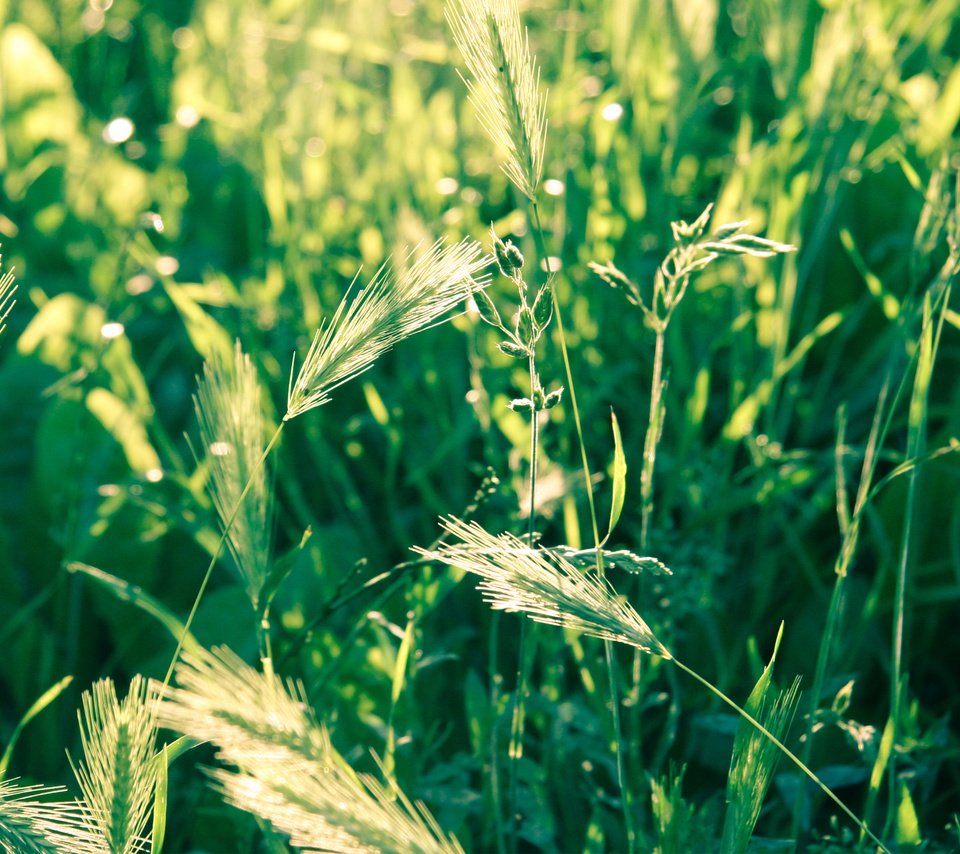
(283,766)
(233,436)
(415,294)
(771,417)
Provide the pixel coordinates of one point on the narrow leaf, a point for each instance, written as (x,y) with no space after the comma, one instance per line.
(136,595)
(619,478)
(44,700)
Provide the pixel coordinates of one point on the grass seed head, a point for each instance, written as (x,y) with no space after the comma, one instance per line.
(393,306)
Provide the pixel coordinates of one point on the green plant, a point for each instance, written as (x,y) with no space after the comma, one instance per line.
(187,196)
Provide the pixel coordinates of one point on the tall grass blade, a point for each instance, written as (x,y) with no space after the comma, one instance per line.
(287,770)
(38,705)
(755,756)
(393,306)
(674,826)
(618,479)
(117,775)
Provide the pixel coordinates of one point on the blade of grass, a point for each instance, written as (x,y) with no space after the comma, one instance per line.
(38,705)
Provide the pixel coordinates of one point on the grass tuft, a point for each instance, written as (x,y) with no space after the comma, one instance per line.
(231,422)
(544,585)
(30,823)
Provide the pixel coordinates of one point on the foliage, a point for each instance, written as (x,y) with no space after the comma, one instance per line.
(192,196)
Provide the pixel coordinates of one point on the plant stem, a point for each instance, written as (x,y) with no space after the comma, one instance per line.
(651,440)
(524,660)
(495,680)
(916,436)
(540,243)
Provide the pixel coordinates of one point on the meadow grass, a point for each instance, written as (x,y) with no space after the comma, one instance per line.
(188,198)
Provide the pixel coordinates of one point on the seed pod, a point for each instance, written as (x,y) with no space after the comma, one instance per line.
(511,348)
(539,399)
(526,330)
(509,258)
(488,311)
(543,307)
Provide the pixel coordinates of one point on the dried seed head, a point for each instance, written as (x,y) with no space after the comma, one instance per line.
(553,398)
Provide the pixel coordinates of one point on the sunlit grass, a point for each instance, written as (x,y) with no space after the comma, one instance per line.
(787,446)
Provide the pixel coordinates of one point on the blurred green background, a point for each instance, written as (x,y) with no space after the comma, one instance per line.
(176,175)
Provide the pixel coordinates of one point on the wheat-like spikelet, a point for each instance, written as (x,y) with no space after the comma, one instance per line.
(7,289)
(393,306)
(30,824)
(232,435)
(505,84)
(117,776)
(288,772)
(544,585)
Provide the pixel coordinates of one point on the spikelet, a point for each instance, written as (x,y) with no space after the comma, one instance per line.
(32,824)
(287,770)
(117,777)
(7,289)
(393,306)
(228,409)
(505,84)
(544,585)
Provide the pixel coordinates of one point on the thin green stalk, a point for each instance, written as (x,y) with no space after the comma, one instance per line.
(524,660)
(650,442)
(575,409)
(217,552)
(866,490)
(916,434)
(540,243)
(851,534)
(495,680)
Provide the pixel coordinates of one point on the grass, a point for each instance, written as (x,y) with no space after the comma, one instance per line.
(782,450)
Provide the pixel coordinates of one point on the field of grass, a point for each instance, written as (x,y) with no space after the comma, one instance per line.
(695,412)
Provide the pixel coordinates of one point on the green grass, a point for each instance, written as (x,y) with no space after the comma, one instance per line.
(784,437)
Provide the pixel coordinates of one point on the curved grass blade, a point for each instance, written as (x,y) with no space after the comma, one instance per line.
(44,700)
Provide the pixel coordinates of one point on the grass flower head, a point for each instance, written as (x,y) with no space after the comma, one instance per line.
(231,422)
(286,770)
(544,585)
(504,85)
(393,306)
